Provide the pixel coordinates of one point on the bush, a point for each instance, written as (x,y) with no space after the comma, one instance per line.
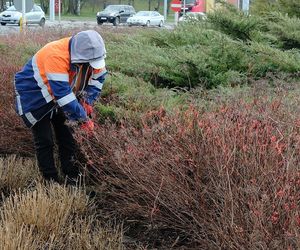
(218,51)
(267,59)
(226,177)
(106,112)
(200,63)
(234,23)
(130,97)
(15,138)
(290,7)
(285,29)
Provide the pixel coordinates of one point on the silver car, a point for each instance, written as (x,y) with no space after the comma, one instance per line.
(12,16)
(146,18)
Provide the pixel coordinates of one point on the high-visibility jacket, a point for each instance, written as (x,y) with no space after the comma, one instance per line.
(49,80)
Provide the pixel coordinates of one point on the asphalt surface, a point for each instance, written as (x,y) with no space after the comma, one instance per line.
(9,28)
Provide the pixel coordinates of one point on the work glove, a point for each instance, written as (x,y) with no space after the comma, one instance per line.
(88,127)
(88,108)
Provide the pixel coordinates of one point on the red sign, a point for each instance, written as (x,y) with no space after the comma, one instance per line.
(176,5)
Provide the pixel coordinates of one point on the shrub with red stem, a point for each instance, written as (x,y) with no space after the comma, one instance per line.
(223,178)
(15,137)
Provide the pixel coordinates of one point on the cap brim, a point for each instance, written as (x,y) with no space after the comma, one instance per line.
(98,64)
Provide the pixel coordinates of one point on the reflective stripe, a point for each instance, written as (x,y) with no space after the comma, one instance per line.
(95,83)
(66,99)
(30,118)
(18,99)
(58,77)
(41,84)
(101,73)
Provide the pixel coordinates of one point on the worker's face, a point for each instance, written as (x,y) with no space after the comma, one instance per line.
(83,74)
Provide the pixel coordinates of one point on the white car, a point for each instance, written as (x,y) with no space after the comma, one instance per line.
(146,18)
(12,16)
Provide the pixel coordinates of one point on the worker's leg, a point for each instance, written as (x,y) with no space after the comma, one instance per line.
(66,145)
(43,141)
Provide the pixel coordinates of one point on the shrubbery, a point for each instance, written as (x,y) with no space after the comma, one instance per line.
(221,175)
(178,163)
(14,136)
(234,23)
(289,7)
(228,48)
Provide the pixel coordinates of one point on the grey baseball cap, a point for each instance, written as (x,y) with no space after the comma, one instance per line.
(88,47)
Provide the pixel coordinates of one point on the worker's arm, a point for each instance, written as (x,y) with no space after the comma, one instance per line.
(93,90)
(58,79)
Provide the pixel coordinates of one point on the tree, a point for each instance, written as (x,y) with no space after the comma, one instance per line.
(3,4)
(45,5)
(74,6)
(156,5)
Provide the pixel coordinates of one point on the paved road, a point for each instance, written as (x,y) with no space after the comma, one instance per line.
(7,29)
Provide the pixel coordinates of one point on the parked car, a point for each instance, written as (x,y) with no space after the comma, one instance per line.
(146,18)
(115,14)
(192,16)
(12,16)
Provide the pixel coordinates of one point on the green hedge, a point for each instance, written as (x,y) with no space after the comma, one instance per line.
(228,49)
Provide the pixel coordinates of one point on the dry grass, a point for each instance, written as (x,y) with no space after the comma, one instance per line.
(54,217)
(17,173)
(51,216)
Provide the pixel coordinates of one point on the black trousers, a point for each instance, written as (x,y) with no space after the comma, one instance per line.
(43,131)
